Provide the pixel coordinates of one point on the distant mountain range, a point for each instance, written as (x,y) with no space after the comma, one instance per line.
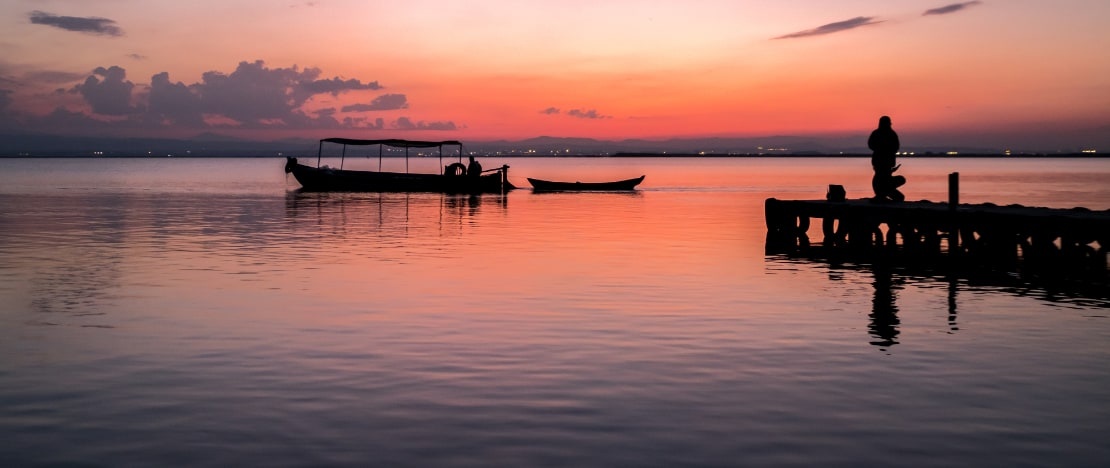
(217,145)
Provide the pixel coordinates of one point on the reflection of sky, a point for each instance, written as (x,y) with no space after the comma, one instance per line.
(625,329)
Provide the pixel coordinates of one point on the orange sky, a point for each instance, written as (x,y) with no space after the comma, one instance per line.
(603,69)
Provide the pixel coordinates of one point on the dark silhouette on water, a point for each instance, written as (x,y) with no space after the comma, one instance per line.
(884,146)
(474,169)
(884,309)
(329,179)
(540,185)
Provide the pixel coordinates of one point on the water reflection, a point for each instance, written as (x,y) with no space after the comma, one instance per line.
(890,276)
(342,209)
(884,309)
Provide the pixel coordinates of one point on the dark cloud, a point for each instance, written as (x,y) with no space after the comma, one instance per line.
(253,96)
(405,123)
(90,25)
(174,103)
(586,114)
(381,103)
(944,10)
(257,94)
(833,27)
(363,123)
(110,94)
(335,86)
(550,111)
(137,56)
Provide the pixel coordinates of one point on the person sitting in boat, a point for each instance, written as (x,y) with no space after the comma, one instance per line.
(884,145)
(474,169)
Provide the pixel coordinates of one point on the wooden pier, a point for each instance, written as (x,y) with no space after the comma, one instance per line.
(1073,239)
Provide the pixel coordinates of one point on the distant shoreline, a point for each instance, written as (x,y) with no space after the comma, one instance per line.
(614,155)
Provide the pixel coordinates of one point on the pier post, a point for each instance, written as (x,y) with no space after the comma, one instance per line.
(953,191)
(953,203)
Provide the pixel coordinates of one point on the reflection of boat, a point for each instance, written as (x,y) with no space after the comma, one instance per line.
(454,178)
(551,186)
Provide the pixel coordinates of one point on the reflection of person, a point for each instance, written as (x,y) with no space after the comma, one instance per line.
(884,146)
(884,310)
(474,169)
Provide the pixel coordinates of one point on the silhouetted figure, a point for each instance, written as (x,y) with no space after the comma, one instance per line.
(474,169)
(884,146)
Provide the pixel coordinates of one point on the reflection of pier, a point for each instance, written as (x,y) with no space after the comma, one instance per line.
(1072,240)
(890,275)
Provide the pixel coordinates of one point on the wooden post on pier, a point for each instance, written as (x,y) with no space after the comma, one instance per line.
(953,203)
(953,191)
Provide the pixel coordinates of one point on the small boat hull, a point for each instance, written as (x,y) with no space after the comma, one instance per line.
(540,185)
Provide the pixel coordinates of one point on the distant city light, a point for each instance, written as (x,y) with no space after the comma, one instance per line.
(1088,151)
(952,153)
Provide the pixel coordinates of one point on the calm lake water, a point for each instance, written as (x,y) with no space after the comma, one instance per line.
(201,312)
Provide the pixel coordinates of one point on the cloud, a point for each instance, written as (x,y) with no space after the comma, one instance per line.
(586,114)
(253,96)
(380,103)
(90,25)
(336,85)
(944,10)
(110,94)
(830,28)
(550,111)
(174,102)
(255,93)
(137,56)
(405,123)
(53,77)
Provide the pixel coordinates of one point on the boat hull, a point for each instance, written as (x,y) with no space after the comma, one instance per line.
(339,180)
(540,185)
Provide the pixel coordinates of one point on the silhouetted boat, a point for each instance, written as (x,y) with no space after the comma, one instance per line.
(454,178)
(551,186)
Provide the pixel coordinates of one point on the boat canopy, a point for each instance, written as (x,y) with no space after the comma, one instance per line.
(391,142)
(396,143)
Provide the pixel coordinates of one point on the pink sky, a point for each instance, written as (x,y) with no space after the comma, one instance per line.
(995,72)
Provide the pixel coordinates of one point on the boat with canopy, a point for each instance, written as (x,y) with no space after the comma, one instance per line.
(454,178)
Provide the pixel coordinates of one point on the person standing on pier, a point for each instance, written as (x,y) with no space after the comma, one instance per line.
(884,146)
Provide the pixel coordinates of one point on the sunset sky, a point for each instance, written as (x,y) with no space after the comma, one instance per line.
(994,72)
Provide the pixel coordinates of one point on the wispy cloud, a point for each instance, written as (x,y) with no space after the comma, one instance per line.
(5,98)
(405,123)
(577,113)
(586,114)
(90,25)
(944,10)
(380,103)
(836,27)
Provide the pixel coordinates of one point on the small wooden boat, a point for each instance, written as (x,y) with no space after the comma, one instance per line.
(540,185)
(454,178)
